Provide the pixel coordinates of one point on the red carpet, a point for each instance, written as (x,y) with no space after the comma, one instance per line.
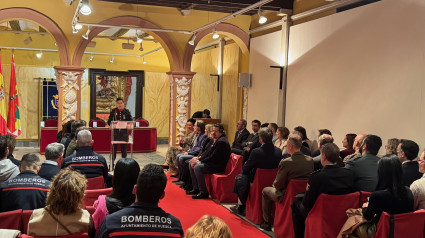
(189,210)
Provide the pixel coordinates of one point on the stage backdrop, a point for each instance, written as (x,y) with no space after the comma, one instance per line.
(360,71)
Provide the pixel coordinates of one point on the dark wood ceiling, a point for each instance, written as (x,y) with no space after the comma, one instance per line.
(227,6)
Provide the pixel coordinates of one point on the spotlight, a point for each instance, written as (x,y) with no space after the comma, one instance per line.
(28,40)
(91,58)
(144,61)
(112,60)
(78,26)
(192,40)
(74,31)
(86,36)
(141,47)
(39,54)
(85,7)
(139,39)
(262,19)
(215,34)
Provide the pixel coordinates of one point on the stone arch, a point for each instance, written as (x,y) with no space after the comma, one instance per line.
(165,40)
(237,34)
(46,23)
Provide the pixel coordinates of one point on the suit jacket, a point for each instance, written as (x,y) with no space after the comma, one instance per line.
(365,170)
(48,171)
(266,156)
(237,142)
(410,172)
(332,180)
(298,166)
(216,160)
(255,139)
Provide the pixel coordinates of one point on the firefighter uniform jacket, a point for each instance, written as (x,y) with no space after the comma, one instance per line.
(140,220)
(26,191)
(87,162)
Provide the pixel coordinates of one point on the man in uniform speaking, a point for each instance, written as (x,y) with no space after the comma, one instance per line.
(144,217)
(120,113)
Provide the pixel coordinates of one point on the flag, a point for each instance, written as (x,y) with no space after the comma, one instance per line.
(14,119)
(3,113)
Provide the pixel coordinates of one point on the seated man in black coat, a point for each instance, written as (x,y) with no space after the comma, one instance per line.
(267,156)
(53,162)
(407,152)
(214,162)
(241,135)
(250,143)
(332,179)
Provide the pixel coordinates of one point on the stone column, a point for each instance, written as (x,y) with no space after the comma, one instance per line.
(68,80)
(180,101)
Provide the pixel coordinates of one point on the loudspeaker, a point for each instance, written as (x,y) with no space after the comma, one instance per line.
(244,80)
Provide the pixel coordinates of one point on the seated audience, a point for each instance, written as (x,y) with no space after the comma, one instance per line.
(407,152)
(85,160)
(282,134)
(348,143)
(138,218)
(306,142)
(53,162)
(391,196)
(267,156)
(391,146)
(250,143)
(273,127)
(63,213)
(332,179)
(298,166)
(74,126)
(125,177)
(214,162)
(194,151)
(418,186)
(11,142)
(209,227)
(241,134)
(66,132)
(26,191)
(185,144)
(73,144)
(323,140)
(8,169)
(305,150)
(202,114)
(365,168)
(358,141)
(316,151)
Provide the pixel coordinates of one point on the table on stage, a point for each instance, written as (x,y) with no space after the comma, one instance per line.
(144,139)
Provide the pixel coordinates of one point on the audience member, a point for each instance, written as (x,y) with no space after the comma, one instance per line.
(8,169)
(73,144)
(418,186)
(53,162)
(214,162)
(194,151)
(306,142)
(298,166)
(241,134)
(66,132)
(305,150)
(63,213)
(407,152)
(323,140)
(316,151)
(125,178)
(26,191)
(332,179)
(144,216)
(266,124)
(358,141)
(85,160)
(365,168)
(202,114)
(282,134)
(391,146)
(74,126)
(251,142)
(184,145)
(267,156)
(11,143)
(348,144)
(391,196)
(209,227)
(273,127)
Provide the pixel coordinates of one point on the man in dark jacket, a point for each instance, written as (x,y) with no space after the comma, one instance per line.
(214,162)
(407,152)
(241,134)
(120,113)
(267,156)
(250,143)
(53,162)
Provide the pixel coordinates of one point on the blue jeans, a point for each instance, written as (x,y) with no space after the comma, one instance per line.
(198,178)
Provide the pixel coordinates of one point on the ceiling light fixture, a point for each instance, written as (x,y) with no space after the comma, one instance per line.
(192,40)
(112,60)
(74,31)
(91,58)
(215,34)
(86,36)
(39,54)
(144,61)
(262,19)
(141,47)
(127,46)
(78,26)
(138,38)
(85,7)
(28,40)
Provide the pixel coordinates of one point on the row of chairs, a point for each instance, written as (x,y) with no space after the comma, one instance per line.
(325,219)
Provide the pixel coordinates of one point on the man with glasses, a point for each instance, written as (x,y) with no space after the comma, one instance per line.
(418,186)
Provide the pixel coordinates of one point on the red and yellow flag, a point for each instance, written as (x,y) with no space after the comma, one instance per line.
(14,118)
(3,113)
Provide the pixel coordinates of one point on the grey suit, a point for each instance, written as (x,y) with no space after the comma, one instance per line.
(365,170)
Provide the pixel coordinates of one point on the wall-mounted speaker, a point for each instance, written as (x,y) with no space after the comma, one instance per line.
(244,80)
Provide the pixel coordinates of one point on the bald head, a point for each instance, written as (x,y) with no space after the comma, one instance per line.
(325,139)
(84,138)
(358,141)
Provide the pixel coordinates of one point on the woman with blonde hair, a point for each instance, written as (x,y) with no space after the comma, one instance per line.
(209,227)
(63,214)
